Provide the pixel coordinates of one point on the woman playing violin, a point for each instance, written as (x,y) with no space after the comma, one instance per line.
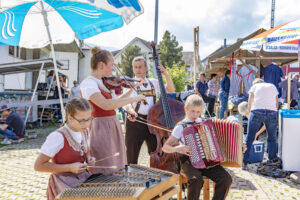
(106,136)
(137,133)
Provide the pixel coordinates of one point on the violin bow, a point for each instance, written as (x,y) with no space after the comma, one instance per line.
(144,121)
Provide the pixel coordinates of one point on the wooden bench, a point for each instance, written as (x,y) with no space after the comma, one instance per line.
(183,180)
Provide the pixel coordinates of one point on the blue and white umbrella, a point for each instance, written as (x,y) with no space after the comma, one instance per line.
(36,24)
(24,24)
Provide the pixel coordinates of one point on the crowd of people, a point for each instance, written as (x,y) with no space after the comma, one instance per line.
(92,132)
(66,147)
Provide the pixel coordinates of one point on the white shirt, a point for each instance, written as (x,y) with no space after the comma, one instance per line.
(178,130)
(55,142)
(75,91)
(144,109)
(264,96)
(90,86)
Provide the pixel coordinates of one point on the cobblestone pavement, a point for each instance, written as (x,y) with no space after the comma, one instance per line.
(19,181)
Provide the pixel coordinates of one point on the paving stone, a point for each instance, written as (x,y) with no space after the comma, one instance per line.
(18,180)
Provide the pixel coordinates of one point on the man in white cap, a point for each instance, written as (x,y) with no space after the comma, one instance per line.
(13,128)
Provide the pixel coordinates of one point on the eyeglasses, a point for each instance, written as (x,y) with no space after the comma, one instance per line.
(83,121)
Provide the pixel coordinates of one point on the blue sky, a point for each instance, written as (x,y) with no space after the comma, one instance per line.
(217,19)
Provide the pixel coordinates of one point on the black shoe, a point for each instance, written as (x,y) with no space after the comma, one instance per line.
(245,167)
(275,162)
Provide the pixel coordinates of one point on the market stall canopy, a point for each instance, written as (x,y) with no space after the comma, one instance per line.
(220,60)
(282,38)
(255,43)
(27,66)
(215,65)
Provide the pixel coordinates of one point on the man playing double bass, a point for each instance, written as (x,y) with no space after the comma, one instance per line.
(136,132)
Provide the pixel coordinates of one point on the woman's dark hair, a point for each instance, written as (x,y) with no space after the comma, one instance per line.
(50,73)
(99,55)
(227,72)
(212,76)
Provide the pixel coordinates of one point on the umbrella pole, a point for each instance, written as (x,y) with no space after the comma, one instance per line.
(44,13)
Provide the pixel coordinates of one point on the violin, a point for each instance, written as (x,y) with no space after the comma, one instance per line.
(117,82)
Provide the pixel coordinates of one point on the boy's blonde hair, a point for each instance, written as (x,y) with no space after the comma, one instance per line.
(194,100)
(257,80)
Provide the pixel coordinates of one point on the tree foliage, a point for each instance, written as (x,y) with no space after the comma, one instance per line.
(178,76)
(170,51)
(127,57)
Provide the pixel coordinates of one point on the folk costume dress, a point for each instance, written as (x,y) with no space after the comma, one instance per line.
(65,146)
(106,134)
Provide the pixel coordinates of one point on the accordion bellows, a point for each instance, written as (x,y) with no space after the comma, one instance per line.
(213,142)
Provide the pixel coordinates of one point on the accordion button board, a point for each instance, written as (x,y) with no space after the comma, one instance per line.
(133,182)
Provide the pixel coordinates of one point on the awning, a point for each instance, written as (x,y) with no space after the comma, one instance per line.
(27,66)
(219,61)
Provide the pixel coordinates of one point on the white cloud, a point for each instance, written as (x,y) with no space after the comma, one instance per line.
(217,19)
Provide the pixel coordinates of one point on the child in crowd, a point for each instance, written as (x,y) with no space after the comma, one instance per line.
(243,110)
(193,109)
(67,148)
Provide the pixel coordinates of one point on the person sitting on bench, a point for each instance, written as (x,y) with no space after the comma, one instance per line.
(13,128)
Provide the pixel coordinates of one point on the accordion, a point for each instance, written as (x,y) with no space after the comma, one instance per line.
(213,142)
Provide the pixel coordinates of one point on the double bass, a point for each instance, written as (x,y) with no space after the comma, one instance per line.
(166,112)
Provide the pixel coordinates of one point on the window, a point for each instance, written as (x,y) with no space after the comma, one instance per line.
(14,51)
(23,53)
(36,54)
(11,50)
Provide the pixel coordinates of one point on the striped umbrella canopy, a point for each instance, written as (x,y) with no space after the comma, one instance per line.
(36,24)
(256,43)
(283,38)
(25,24)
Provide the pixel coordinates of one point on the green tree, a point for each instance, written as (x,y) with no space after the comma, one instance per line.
(170,51)
(178,76)
(127,57)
